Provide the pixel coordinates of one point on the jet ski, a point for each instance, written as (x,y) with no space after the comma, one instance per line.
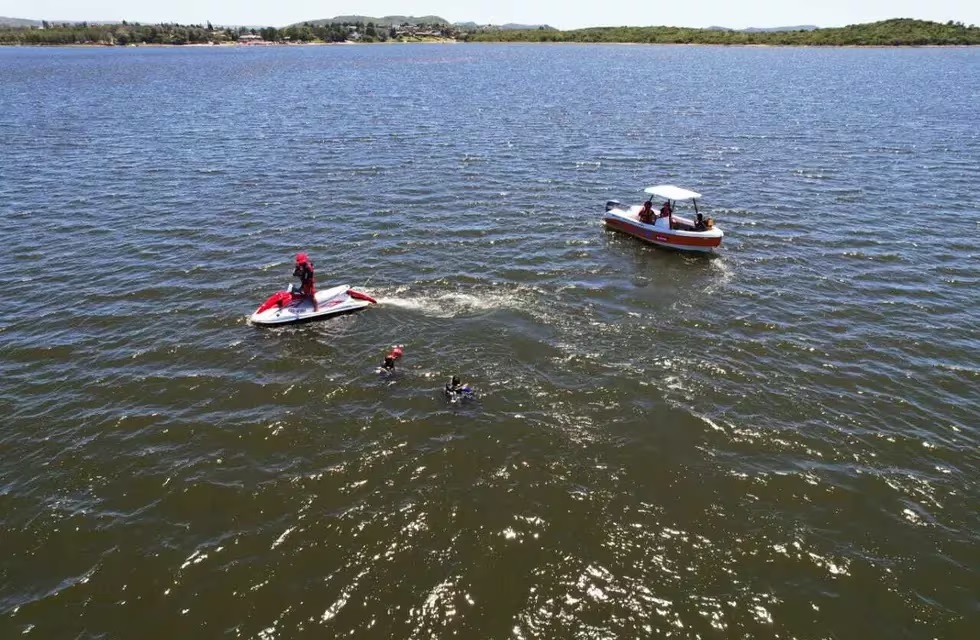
(290,306)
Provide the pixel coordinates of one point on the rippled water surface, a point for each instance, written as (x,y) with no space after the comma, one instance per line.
(781,441)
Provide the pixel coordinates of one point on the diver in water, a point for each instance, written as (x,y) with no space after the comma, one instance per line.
(388,366)
(456,390)
(304,271)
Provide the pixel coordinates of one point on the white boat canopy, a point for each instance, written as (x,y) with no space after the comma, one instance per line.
(670,192)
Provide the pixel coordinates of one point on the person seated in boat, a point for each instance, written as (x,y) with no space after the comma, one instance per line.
(304,271)
(666,212)
(699,224)
(646,213)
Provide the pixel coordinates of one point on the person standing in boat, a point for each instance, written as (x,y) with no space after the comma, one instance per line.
(304,271)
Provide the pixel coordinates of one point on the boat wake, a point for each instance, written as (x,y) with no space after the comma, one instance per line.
(724,273)
(453,305)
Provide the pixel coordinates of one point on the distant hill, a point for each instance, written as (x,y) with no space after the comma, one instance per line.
(802,27)
(18,22)
(385,21)
(510,26)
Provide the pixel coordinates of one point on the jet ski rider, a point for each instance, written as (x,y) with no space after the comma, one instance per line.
(304,271)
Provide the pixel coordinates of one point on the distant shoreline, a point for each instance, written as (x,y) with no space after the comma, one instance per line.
(281,45)
(896,32)
(222,45)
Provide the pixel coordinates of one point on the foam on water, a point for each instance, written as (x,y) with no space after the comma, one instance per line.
(452,304)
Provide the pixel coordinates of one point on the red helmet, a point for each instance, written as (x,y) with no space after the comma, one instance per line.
(301,258)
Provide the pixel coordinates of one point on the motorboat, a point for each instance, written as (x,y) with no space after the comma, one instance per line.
(665,228)
(291,306)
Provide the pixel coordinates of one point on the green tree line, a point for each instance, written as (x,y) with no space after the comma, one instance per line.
(134,33)
(337,32)
(342,31)
(116,34)
(896,32)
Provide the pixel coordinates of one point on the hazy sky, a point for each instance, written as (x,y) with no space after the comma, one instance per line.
(564,14)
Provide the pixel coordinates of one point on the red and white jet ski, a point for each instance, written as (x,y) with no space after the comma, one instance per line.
(289,306)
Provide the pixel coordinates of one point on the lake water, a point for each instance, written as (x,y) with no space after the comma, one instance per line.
(778,442)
